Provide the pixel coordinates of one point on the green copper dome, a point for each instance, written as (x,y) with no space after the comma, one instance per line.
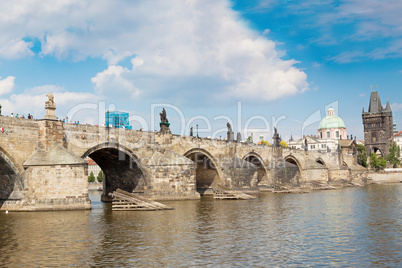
(331,121)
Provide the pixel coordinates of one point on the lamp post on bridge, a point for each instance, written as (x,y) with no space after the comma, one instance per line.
(197,130)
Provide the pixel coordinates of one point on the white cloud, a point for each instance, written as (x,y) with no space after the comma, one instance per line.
(113,81)
(175,45)
(34,103)
(396,107)
(6,85)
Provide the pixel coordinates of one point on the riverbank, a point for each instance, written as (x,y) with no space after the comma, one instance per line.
(388,175)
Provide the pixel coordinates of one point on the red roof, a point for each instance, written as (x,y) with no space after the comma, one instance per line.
(91,162)
(398,134)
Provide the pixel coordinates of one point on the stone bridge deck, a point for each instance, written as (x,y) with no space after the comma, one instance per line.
(42,164)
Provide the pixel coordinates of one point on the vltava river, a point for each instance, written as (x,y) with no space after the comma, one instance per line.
(348,227)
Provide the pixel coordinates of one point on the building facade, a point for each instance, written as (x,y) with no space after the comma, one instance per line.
(378,126)
(93,167)
(314,143)
(331,136)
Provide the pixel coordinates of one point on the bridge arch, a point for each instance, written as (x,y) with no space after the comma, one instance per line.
(293,170)
(11,183)
(262,171)
(208,171)
(121,167)
(378,151)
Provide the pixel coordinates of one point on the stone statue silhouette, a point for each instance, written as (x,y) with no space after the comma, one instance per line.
(191,131)
(50,100)
(238,137)
(163,116)
(229,127)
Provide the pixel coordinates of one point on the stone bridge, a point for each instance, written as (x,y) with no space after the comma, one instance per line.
(42,164)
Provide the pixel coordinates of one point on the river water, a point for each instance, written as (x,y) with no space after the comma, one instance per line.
(359,227)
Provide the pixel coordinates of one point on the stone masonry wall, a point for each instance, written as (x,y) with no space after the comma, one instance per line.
(173,182)
(59,187)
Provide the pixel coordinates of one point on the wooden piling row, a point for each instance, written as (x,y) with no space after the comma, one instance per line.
(221,192)
(123,200)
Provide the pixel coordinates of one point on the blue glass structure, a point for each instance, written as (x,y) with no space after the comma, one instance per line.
(117,119)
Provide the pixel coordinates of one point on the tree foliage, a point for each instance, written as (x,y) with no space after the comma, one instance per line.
(264,142)
(250,139)
(91,177)
(377,162)
(362,155)
(100,176)
(284,144)
(393,156)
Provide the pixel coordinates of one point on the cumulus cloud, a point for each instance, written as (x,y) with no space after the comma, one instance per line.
(113,80)
(6,85)
(174,45)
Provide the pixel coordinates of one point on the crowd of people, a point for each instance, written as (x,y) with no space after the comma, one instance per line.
(22,116)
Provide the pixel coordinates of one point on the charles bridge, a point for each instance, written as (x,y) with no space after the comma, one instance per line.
(42,164)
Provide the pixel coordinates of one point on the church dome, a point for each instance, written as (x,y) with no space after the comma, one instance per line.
(331,121)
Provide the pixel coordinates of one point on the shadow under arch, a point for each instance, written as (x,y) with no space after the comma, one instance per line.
(121,168)
(262,171)
(208,171)
(11,182)
(293,170)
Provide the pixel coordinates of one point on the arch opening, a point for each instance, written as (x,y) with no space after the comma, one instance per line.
(320,161)
(120,170)
(10,180)
(377,151)
(292,173)
(207,174)
(262,175)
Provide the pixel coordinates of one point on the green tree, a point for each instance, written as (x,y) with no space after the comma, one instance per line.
(393,156)
(264,142)
(100,176)
(377,162)
(362,155)
(91,177)
(249,139)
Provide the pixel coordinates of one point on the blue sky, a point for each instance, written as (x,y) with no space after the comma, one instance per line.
(283,63)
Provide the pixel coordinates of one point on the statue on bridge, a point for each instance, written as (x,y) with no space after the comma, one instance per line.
(238,137)
(50,107)
(50,102)
(276,140)
(163,116)
(164,124)
(191,131)
(0,109)
(230,132)
(229,127)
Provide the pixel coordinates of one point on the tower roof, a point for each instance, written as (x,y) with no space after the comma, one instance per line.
(375,103)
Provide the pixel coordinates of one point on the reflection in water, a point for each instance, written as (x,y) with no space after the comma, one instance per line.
(348,227)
